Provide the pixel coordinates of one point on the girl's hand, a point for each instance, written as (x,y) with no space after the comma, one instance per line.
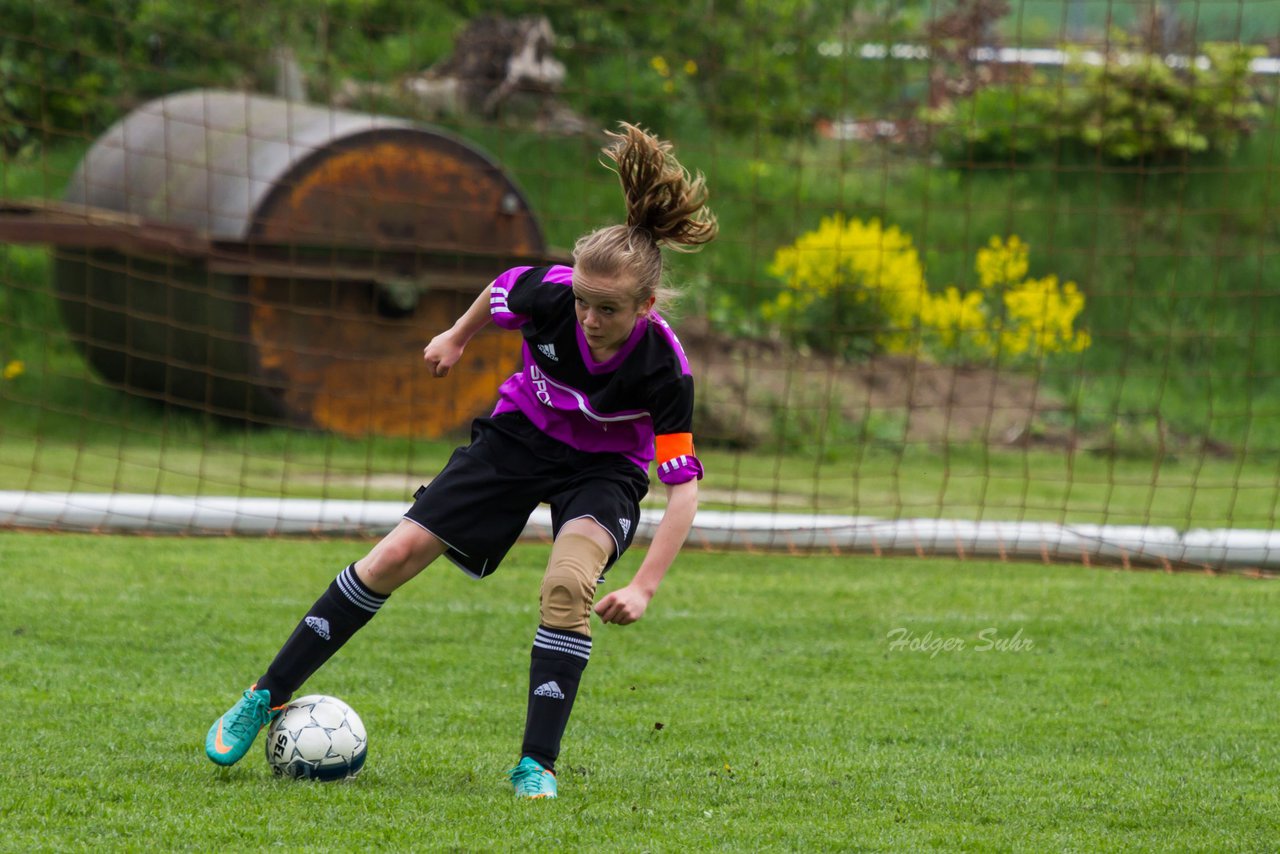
(442,354)
(623,606)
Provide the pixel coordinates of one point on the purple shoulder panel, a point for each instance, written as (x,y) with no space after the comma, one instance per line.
(669,334)
(501,290)
(559,275)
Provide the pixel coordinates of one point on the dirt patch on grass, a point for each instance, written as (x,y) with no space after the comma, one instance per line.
(755,391)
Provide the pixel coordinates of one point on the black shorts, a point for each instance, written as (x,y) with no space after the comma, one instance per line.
(480,503)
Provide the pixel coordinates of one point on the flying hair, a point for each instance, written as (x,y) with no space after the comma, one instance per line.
(666,208)
(662,198)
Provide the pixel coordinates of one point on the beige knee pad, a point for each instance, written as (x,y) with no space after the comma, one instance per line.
(569,586)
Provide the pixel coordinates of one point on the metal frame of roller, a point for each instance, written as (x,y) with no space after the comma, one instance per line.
(285,263)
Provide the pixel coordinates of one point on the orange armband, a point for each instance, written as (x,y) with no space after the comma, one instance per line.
(671,445)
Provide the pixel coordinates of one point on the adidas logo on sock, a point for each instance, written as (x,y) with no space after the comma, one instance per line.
(550,690)
(319,625)
(549,350)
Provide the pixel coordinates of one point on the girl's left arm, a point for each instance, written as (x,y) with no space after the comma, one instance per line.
(628,604)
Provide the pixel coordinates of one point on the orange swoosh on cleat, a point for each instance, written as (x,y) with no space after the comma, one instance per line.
(218,744)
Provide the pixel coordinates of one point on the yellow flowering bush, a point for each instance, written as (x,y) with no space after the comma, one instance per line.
(1009,314)
(854,287)
(860,279)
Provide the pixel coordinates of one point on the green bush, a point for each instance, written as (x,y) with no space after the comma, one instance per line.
(1133,106)
(1000,123)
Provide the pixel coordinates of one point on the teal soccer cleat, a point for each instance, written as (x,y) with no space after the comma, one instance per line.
(232,735)
(532,781)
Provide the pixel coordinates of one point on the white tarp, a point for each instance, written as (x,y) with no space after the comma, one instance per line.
(212,515)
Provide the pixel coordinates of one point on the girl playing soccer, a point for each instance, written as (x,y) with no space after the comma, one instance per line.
(605,390)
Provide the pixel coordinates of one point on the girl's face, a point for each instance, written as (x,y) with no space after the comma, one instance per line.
(607,312)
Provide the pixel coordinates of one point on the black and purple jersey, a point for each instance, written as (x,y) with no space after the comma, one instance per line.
(639,403)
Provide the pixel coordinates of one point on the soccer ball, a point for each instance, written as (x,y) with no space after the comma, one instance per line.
(317,738)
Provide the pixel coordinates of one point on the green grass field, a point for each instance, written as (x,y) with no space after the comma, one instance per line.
(765,702)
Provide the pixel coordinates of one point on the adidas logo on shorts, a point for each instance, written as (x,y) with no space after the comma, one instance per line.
(625,525)
(548,350)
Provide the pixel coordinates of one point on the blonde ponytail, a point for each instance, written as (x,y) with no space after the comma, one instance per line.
(662,197)
(666,208)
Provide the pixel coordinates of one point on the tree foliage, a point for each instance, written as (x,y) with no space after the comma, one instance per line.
(753,62)
(72,66)
(61,68)
(745,64)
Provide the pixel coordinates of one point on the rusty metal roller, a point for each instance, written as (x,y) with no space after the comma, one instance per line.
(288,262)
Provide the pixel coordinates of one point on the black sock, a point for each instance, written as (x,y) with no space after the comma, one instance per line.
(337,615)
(555,669)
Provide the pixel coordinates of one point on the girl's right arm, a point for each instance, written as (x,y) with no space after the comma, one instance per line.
(445,349)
